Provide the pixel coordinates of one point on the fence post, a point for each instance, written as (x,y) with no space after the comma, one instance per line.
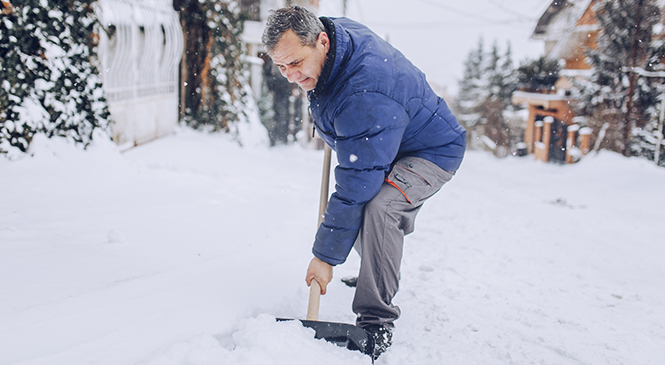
(660,130)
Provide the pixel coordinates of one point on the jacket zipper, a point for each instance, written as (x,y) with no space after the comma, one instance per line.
(309,111)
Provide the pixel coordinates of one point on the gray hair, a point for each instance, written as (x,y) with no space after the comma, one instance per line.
(302,21)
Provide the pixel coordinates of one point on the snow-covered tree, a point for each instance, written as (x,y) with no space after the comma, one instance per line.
(485,93)
(538,75)
(279,90)
(471,91)
(266,110)
(614,94)
(215,95)
(283,120)
(49,80)
(500,87)
(501,75)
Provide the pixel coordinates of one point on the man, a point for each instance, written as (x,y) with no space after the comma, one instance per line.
(397,143)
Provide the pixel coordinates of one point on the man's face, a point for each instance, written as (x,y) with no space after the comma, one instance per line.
(298,63)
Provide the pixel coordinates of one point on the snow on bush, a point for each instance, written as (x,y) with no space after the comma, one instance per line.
(50,83)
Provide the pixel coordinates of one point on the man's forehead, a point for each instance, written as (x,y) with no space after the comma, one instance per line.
(287,47)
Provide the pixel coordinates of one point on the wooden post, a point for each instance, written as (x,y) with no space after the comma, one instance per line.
(632,78)
(529,130)
(547,136)
(183,70)
(585,140)
(572,157)
(539,131)
(538,143)
(656,157)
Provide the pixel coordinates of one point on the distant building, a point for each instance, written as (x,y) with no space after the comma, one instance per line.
(567,28)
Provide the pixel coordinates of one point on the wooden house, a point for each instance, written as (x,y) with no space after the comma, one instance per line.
(567,28)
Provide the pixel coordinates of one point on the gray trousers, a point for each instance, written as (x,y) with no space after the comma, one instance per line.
(387,218)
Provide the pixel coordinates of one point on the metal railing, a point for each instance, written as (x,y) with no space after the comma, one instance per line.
(140,48)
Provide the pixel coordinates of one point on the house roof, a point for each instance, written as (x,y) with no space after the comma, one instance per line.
(564,26)
(555,8)
(560,18)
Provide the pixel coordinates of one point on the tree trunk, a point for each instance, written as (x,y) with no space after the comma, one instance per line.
(632,77)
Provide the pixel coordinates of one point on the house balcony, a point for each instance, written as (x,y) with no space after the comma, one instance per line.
(551,133)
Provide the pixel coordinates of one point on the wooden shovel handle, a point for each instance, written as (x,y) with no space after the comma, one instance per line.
(315,287)
(325,179)
(314,299)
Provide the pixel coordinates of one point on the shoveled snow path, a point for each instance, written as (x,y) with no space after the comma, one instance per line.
(184,250)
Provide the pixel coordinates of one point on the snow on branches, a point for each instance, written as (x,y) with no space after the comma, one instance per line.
(49,82)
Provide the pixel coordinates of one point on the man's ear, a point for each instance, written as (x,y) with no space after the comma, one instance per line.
(324,40)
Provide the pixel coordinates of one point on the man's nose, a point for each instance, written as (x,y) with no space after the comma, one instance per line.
(291,74)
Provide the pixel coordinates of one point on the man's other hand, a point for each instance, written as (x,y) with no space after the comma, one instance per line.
(321,272)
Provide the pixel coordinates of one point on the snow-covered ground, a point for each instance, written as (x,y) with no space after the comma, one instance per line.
(184,250)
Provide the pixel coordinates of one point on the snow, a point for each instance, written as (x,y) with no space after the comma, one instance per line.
(488,142)
(184,250)
(585,131)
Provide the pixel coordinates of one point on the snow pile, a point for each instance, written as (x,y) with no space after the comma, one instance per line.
(260,340)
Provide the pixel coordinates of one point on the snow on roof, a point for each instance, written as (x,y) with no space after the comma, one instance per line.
(559,18)
(559,25)
(545,19)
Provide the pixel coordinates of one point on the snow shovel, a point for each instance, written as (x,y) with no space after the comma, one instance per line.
(342,334)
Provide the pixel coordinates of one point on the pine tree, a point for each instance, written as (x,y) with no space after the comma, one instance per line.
(281,106)
(498,99)
(49,82)
(485,94)
(507,77)
(538,75)
(493,73)
(215,93)
(613,94)
(266,110)
(471,93)
(514,124)
(21,65)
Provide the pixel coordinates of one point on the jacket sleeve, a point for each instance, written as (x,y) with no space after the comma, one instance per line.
(368,132)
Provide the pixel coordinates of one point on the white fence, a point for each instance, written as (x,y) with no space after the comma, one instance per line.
(140,48)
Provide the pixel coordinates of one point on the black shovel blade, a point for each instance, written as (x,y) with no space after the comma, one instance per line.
(341,334)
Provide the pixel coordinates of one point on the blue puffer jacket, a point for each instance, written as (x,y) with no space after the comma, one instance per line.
(373,107)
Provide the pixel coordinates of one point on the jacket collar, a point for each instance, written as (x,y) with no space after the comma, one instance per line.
(338,52)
